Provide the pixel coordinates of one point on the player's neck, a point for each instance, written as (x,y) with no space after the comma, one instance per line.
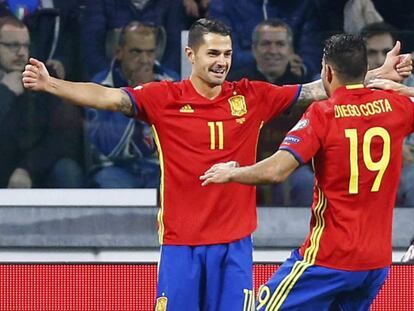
(336,84)
(205,89)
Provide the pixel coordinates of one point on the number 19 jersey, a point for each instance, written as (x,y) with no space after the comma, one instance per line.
(355,139)
(192,134)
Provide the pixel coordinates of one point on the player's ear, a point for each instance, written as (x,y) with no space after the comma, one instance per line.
(189,52)
(329,73)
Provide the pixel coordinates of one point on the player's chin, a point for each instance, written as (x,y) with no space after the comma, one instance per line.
(217,79)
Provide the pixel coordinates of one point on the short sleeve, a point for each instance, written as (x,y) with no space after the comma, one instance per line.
(274,99)
(147,100)
(304,140)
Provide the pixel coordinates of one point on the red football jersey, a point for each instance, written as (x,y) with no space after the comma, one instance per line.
(192,134)
(355,139)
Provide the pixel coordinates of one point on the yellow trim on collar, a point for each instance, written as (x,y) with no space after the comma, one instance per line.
(354,86)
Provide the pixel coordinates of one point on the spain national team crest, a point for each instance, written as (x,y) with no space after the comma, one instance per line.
(161,304)
(238,105)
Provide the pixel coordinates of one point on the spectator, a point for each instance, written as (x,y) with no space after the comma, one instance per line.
(38,142)
(244,15)
(54,32)
(276,62)
(104,16)
(127,148)
(399,14)
(379,38)
(359,13)
(196,8)
(346,15)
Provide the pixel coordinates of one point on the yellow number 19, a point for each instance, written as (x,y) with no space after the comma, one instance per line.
(379,166)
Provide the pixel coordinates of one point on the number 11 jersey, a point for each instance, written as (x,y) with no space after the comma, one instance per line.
(193,133)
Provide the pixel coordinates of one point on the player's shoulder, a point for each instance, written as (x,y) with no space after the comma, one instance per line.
(158,87)
(392,94)
(254,86)
(322,106)
(241,84)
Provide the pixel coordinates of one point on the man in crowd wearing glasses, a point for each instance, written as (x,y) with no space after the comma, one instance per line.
(38,147)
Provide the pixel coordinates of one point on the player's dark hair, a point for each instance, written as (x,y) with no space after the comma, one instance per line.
(347,54)
(204,26)
(376,29)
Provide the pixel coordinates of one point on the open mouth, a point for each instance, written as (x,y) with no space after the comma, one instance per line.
(219,72)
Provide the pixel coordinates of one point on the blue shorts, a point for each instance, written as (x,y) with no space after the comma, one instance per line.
(206,278)
(297,285)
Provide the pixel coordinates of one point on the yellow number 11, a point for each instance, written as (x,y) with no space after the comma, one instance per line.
(380,166)
(212,126)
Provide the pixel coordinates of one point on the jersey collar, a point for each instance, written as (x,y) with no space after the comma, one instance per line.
(350,89)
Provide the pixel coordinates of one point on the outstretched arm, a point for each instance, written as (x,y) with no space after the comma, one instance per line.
(391,85)
(36,78)
(274,169)
(396,67)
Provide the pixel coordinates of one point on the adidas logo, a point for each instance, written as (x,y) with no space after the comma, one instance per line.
(187,109)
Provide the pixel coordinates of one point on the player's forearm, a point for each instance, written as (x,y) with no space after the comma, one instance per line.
(405,90)
(268,171)
(311,92)
(85,94)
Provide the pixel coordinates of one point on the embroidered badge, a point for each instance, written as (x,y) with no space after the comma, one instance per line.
(238,105)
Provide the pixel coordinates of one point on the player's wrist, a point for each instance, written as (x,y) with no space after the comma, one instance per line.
(232,176)
(408,90)
(50,85)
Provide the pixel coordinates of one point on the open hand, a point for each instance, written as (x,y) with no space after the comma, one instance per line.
(219,173)
(386,84)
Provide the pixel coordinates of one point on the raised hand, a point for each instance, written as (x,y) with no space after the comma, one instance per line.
(35,76)
(396,67)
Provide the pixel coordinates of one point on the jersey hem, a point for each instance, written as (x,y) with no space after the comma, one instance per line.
(210,242)
(353,268)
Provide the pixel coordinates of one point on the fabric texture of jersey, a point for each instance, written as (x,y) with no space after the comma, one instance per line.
(223,270)
(193,133)
(355,139)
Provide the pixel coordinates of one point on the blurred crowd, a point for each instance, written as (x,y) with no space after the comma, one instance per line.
(45,143)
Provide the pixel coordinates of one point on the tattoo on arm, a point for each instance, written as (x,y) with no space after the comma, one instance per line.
(311,92)
(125,105)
